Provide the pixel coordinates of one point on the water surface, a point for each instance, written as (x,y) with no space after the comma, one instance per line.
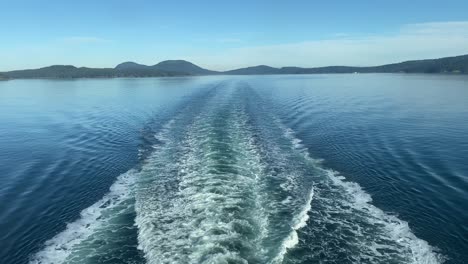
(259,169)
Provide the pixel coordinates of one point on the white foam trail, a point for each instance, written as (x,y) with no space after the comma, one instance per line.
(197,199)
(299,222)
(396,229)
(60,247)
(197,221)
(301,219)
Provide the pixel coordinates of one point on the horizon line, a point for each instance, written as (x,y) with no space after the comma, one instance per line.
(257,65)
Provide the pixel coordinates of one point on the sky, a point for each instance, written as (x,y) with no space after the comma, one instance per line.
(223,35)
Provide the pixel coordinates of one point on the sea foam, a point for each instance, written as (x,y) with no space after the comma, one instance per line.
(61,246)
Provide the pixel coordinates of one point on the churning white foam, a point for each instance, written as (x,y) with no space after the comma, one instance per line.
(197,199)
(194,221)
(299,222)
(59,248)
(396,229)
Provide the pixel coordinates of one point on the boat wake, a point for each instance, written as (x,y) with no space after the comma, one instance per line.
(227,182)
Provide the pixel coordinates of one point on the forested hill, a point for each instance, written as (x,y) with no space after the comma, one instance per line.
(458,64)
(68,71)
(449,65)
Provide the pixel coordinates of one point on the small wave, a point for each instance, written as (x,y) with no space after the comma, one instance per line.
(197,200)
(224,184)
(59,248)
(398,230)
(414,249)
(299,222)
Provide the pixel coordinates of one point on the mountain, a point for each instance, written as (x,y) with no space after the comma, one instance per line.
(182,66)
(3,77)
(129,65)
(68,71)
(261,69)
(458,64)
(126,69)
(58,71)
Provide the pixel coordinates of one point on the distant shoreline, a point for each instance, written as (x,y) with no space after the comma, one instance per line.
(266,74)
(457,65)
(273,74)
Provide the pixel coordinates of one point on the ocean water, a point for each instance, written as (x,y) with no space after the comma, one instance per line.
(367,168)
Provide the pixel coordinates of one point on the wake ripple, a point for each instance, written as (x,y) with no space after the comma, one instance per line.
(227,182)
(345,227)
(82,239)
(210,195)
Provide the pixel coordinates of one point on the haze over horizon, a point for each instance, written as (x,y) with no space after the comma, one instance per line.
(225,36)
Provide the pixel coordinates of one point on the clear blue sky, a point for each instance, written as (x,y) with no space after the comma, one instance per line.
(229,34)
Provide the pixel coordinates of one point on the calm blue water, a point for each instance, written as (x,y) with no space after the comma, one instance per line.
(259,169)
